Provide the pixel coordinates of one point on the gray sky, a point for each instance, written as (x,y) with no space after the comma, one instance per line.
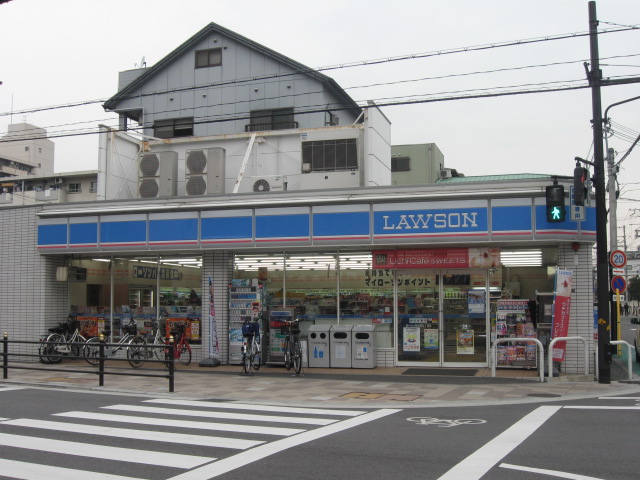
(68,51)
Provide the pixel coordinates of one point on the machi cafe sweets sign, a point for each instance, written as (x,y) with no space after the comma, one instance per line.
(437,258)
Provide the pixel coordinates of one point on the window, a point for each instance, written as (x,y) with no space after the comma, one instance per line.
(94,187)
(26,149)
(331,119)
(209,58)
(401,164)
(173,127)
(329,155)
(74,188)
(278,119)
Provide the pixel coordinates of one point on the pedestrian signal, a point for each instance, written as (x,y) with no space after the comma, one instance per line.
(555,204)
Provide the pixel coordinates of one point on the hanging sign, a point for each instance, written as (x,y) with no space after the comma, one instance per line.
(437,258)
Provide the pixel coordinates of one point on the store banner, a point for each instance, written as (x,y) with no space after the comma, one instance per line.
(437,258)
(561,312)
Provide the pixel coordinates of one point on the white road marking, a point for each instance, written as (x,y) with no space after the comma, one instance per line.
(221,415)
(239,460)
(162,459)
(8,389)
(551,473)
(618,398)
(182,438)
(224,427)
(34,471)
(257,407)
(482,460)
(602,408)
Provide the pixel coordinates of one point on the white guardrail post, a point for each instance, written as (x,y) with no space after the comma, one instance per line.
(629,367)
(494,351)
(562,339)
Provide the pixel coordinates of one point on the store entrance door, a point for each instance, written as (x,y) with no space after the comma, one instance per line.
(442,318)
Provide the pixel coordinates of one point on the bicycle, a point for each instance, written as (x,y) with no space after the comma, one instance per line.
(91,350)
(181,347)
(61,341)
(292,347)
(142,349)
(251,355)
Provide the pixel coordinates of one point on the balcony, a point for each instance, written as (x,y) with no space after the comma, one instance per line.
(262,127)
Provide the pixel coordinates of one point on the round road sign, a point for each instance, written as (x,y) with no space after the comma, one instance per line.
(619,284)
(618,259)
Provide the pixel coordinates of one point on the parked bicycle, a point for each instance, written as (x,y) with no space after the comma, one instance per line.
(61,341)
(292,347)
(91,351)
(141,349)
(181,347)
(251,355)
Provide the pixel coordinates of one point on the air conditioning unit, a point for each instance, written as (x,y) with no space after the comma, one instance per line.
(271,183)
(204,172)
(158,174)
(446,173)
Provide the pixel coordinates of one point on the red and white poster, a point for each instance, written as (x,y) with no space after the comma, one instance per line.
(437,258)
(561,312)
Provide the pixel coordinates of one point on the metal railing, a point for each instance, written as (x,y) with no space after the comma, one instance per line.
(629,361)
(494,353)
(100,370)
(564,339)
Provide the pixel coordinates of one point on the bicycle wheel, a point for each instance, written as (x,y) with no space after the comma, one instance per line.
(287,354)
(159,353)
(51,348)
(246,363)
(76,347)
(91,351)
(255,356)
(136,352)
(44,350)
(184,354)
(297,356)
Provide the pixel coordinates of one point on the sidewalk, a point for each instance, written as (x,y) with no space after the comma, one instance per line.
(373,388)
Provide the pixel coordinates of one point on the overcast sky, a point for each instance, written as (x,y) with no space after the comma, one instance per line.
(68,51)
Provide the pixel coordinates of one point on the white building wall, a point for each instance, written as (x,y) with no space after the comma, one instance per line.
(581,322)
(217,266)
(377,149)
(31,300)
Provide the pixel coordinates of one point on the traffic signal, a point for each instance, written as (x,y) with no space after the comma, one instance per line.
(580,176)
(555,204)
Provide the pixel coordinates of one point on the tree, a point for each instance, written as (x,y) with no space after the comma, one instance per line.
(634,288)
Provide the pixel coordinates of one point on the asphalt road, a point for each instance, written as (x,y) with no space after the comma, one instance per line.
(49,433)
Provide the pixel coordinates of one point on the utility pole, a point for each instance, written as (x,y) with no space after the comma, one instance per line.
(602,257)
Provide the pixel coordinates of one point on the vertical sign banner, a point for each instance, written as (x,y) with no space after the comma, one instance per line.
(214,350)
(561,312)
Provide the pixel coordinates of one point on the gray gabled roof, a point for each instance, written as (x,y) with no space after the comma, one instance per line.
(111,104)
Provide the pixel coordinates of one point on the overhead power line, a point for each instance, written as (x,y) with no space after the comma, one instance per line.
(361,63)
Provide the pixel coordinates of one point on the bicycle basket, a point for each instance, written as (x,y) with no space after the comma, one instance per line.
(247,329)
(131,329)
(292,328)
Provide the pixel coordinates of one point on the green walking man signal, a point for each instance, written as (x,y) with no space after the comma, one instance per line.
(555,204)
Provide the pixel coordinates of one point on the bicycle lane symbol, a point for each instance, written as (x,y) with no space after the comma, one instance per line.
(441,422)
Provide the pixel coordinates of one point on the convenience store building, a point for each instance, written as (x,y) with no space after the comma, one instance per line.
(428,265)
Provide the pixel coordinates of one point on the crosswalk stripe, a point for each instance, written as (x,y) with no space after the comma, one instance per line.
(8,389)
(222,415)
(258,407)
(34,471)
(225,465)
(154,436)
(226,427)
(162,459)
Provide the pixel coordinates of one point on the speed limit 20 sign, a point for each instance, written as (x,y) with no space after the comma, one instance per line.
(618,259)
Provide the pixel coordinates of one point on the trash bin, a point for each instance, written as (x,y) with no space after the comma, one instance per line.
(319,346)
(363,346)
(340,346)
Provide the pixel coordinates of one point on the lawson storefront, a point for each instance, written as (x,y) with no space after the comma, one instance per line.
(440,272)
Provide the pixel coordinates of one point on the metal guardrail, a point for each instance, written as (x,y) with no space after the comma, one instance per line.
(102,358)
(494,353)
(564,339)
(629,361)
